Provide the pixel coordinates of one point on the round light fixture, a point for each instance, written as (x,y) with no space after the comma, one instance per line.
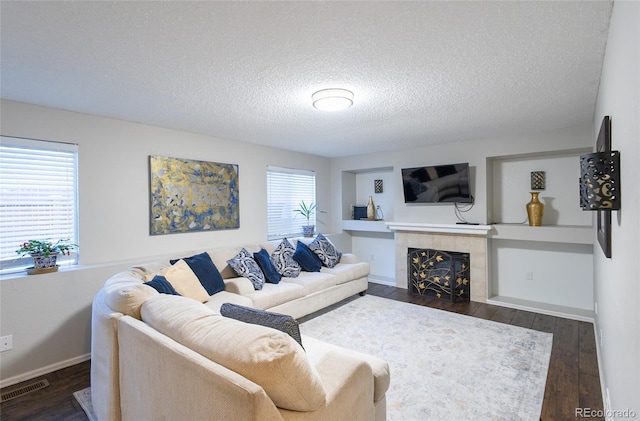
(334,99)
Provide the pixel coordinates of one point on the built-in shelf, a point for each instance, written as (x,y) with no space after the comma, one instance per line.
(468,229)
(571,234)
(364,225)
(543,308)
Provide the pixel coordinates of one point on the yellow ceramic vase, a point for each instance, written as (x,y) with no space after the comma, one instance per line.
(535,209)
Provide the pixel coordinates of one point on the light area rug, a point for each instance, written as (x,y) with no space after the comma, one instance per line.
(84,399)
(444,366)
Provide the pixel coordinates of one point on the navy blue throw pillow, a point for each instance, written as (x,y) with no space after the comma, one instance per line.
(306,258)
(207,273)
(160,284)
(264,261)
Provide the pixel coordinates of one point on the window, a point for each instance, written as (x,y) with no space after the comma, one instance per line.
(38,197)
(286,188)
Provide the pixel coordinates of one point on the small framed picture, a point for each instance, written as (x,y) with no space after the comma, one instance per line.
(377,186)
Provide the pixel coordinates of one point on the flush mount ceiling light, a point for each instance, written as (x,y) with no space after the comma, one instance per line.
(333,99)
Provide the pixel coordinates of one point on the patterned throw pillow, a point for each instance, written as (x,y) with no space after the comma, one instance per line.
(325,250)
(282,322)
(282,258)
(244,265)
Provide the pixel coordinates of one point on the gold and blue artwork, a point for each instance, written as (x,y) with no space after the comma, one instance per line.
(189,196)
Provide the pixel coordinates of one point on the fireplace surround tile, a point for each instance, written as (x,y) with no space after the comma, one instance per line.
(474,244)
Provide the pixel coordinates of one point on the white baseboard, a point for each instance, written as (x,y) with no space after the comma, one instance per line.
(382,280)
(44,370)
(603,385)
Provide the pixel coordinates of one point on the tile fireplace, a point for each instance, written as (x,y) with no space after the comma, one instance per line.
(447,238)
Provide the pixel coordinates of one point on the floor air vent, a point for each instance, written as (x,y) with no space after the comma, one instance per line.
(16,393)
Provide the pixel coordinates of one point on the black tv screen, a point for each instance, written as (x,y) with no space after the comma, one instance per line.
(437,184)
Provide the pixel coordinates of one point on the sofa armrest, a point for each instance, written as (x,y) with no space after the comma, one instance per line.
(349,258)
(348,382)
(316,349)
(239,285)
(162,379)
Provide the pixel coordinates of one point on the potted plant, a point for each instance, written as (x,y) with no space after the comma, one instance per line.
(45,253)
(307,211)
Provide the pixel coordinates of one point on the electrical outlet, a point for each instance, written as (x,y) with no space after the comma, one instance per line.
(6,343)
(373,257)
(529,276)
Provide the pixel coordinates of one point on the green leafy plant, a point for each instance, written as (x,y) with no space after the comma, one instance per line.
(306,210)
(46,247)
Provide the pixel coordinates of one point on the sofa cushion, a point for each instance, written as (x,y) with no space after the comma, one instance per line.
(263,260)
(216,301)
(282,258)
(267,357)
(273,295)
(281,322)
(325,250)
(244,265)
(185,281)
(207,273)
(347,272)
(306,258)
(160,284)
(313,281)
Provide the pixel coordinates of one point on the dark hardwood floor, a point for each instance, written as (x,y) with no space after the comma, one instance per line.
(572,381)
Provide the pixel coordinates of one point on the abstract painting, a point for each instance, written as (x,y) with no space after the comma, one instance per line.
(188,195)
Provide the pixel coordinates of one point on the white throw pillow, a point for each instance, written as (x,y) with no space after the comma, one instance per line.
(267,357)
(183,280)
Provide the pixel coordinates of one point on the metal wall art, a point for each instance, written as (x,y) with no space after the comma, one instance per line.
(600,184)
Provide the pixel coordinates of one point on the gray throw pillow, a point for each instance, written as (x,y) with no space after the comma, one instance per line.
(282,258)
(244,265)
(325,250)
(281,322)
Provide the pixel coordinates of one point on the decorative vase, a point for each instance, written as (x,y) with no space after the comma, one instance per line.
(307,230)
(371,209)
(44,264)
(535,209)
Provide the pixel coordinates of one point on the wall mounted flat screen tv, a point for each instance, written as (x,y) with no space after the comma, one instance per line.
(437,184)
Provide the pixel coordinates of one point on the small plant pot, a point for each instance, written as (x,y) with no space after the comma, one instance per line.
(44,264)
(307,230)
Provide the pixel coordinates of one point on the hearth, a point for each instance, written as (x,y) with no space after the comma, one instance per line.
(439,274)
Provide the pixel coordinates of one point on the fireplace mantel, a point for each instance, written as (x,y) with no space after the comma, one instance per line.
(467,229)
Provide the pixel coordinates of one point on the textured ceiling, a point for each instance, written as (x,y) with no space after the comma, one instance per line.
(422,72)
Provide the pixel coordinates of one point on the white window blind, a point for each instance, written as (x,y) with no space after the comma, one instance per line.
(38,197)
(286,188)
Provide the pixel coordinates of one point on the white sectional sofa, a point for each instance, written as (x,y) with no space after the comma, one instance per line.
(161,356)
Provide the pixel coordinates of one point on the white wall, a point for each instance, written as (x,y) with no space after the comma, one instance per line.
(512,182)
(617,284)
(560,274)
(48,315)
(480,153)
(476,152)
